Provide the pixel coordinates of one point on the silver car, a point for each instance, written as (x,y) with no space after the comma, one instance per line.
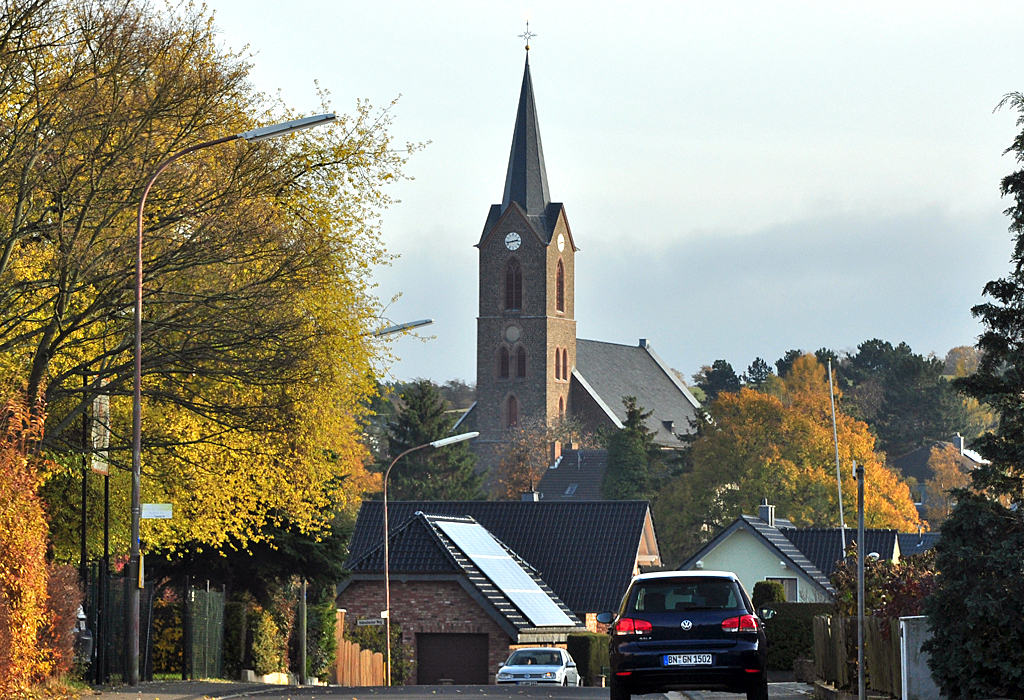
(540,665)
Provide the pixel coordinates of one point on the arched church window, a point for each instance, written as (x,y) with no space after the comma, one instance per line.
(521,363)
(565,364)
(513,285)
(558,363)
(513,411)
(561,407)
(503,363)
(560,287)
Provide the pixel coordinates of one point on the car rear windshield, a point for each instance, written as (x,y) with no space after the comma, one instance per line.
(539,657)
(668,595)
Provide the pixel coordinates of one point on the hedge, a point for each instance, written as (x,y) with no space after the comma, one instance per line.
(589,651)
(791,632)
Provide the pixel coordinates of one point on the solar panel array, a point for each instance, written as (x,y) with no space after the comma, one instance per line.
(505,573)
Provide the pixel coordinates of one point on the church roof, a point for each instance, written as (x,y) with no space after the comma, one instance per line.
(609,371)
(526,182)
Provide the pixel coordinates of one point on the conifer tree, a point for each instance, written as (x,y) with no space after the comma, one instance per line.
(633,463)
(974,651)
(447,474)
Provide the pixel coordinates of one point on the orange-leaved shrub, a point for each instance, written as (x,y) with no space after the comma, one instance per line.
(22,549)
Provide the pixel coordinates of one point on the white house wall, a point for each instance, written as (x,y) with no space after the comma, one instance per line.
(745,555)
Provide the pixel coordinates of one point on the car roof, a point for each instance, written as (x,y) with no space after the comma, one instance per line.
(686,574)
(538,649)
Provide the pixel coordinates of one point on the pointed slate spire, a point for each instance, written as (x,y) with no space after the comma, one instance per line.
(527,180)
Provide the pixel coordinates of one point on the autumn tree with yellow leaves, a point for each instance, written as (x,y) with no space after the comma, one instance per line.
(757,445)
(257,304)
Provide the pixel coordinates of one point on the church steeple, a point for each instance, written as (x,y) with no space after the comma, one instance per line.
(526,182)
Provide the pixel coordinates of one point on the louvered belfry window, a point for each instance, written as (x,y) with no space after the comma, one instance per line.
(560,287)
(565,364)
(521,363)
(513,411)
(513,285)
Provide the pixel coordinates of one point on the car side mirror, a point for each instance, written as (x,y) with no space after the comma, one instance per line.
(766,613)
(605,618)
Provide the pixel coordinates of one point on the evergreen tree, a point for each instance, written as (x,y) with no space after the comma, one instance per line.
(978,645)
(447,474)
(785,363)
(634,466)
(757,373)
(719,377)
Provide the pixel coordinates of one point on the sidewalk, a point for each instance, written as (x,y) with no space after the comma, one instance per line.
(180,690)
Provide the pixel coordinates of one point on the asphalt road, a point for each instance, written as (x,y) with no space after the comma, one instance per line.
(228,691)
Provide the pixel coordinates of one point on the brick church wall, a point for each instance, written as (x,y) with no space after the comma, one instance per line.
(430,607)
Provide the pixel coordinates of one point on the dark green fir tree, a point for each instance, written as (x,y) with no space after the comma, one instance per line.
(444,474)
(634,468)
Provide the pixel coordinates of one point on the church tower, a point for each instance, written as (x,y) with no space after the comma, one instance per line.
(526,328)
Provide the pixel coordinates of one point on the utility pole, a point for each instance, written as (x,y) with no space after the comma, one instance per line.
(859,471)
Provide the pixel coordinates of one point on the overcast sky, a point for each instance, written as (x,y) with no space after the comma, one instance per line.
(741,178)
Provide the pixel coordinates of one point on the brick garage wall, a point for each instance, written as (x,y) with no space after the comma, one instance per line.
(427,606)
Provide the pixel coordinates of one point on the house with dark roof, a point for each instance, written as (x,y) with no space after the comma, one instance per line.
(917,466)
(586,552)
(460,596)
(767,548)
(530,364)
(755,549)
(575,475)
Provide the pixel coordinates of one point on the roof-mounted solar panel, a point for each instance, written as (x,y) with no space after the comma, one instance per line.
(505,573)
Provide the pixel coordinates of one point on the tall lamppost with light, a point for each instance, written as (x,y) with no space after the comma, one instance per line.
(387,571)
(135,572)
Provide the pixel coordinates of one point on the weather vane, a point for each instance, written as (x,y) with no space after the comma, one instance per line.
(527,35)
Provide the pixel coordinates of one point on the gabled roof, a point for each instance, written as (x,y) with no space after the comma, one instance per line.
(772,538)
(526,181)
(610,371)
(420,545)
(915,463)
(587,551)
(576,476)
(823,546)
(912,543)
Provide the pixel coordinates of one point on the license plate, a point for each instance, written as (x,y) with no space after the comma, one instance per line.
(526,682)
(687,659)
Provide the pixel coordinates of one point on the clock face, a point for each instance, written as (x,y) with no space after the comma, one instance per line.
(561,243)
(513,241)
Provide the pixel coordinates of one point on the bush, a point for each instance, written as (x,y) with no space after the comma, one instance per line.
(63,598)
(589,651)
(977,647)
(23,533)
(372,638)
(235,623)
(766,592)
(267,643)
(791,632)
(167,631)
(321,646)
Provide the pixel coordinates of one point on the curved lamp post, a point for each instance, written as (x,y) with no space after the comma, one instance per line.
(387,580)
(261,134)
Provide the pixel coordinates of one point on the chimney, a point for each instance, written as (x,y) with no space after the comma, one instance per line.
(532,496)
(766,512)
(958,443)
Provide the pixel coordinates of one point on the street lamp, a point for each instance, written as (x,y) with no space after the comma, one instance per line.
(135,573)
(402,327)
(387,579)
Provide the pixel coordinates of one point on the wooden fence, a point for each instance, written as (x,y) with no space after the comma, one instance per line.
(354,666)
(835,653)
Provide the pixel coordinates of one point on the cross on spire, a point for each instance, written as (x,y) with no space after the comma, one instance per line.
(527,35)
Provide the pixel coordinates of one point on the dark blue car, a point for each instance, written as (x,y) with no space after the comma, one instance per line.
(692,630)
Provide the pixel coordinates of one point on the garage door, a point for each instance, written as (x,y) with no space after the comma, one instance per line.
(455,658)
